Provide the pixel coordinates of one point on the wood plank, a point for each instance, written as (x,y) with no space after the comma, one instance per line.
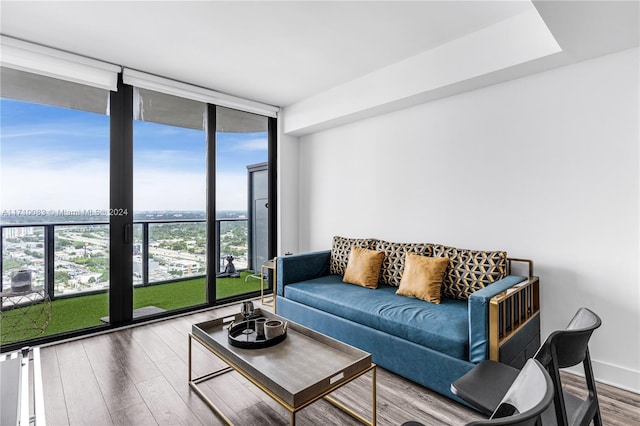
(175,371)
(117,388)
(138,414)
(176,340)
(78,381)
(204,361)
(133,358)
(55,406)
(321,412)
(165,404)
(109,367)
(232,389)
(617,407)
(49,363)
(357,395)
(155,348)
(262,414)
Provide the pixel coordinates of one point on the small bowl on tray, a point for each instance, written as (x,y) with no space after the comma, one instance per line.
(257,333)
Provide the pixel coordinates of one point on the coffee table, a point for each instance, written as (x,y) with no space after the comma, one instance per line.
(304,368)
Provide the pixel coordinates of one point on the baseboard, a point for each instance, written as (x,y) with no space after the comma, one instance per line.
(614,375)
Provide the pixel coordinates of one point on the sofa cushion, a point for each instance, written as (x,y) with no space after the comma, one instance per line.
(395,254)
(470,270)
(363,268)
(443,328)
(422,277)
(340,249)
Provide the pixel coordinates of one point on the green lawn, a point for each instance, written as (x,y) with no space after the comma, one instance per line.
(85,311)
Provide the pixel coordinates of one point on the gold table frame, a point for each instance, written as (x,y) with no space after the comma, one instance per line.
(268,300)
(193,383)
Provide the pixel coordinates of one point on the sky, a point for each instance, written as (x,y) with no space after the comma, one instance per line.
(55,158)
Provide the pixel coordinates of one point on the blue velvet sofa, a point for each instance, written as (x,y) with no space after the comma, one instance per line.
(430,344)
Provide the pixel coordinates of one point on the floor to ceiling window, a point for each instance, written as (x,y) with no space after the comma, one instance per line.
(54,178)
(124,195)
(169,197)
(242,145)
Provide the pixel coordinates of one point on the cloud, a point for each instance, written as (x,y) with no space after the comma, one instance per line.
(162,190)
(80,186)
(75,181)
(55,130)
(169,159)
(231,191)
(250,145)
(53,159)
(168,190)
(61,161)
(26,133)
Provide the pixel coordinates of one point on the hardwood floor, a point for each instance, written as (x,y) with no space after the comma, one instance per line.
(138,376)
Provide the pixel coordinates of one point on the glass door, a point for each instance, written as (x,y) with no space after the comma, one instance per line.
(54,174)
(241,145)
(258,215)
(169,197)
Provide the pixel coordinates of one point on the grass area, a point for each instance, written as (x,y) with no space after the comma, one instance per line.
(80,312)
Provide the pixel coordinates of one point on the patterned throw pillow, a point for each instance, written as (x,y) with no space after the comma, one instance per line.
(395,254)
(340,249)
(470,270)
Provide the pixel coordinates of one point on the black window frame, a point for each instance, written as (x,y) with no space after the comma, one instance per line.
(121,226)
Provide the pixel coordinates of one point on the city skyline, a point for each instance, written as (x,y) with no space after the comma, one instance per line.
(58,158)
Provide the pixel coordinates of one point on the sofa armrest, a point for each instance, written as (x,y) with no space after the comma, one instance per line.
(301,267)
(480,327)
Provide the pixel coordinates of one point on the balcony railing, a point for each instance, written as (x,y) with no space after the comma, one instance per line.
(72,258)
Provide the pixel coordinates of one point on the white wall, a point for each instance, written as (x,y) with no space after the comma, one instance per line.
(545,167)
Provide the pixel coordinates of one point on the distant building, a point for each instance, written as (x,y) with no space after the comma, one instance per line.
(137,266)
(187,267)
(18,232)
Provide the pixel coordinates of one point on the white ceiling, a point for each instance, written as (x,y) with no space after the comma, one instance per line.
(284,52)
(273,52)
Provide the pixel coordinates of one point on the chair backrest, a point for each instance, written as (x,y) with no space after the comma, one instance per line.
(528,397)
(568,347)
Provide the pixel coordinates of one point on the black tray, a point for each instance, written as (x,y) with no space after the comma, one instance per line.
(251,341)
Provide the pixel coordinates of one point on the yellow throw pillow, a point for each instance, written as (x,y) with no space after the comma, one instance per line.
(422,277)
(363,267)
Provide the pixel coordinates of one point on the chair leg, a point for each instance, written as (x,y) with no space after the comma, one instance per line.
(591,385)
(558,398)
(597,420)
